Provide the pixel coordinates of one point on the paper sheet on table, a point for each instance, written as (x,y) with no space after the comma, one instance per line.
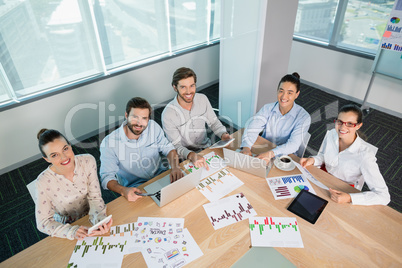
(289,186)
(214,162)
(181,252)
(310,177)
(219,184)
(275,232)
(229,210)
(99,252)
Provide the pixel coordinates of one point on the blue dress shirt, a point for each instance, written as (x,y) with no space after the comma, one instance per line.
(286,131)
(133,162)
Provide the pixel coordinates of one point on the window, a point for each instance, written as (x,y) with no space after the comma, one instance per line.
(356,25)
(49,45)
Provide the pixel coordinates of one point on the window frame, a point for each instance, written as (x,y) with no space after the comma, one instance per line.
(12,100)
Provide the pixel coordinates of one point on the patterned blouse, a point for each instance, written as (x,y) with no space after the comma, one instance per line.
(58,197)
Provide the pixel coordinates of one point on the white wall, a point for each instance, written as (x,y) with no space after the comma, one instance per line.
(345,75)
(86,109)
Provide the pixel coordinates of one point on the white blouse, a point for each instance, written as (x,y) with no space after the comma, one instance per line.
(355,165)
(69,200)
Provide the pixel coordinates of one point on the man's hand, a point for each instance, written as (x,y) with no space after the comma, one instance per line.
(266,156)
(246,151)
(173,159)
(198,160)
(340,197)
(129,194)
(103,229)
(175,174)
(226,136)
(305,162)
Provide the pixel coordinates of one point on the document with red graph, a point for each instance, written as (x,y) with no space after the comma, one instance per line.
(229,210)
(275,232)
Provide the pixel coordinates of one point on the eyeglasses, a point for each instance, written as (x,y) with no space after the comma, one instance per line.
(347,124)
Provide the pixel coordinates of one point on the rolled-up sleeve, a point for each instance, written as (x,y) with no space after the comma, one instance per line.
(45,211)
(97,207)
(172,131)
(296,137)
(319,159)
(378,194)
(109,163)
(255,126)
(213,121)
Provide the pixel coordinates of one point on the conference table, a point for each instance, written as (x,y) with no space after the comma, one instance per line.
(345,235)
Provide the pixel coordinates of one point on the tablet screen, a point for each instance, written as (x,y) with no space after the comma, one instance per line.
(308,206)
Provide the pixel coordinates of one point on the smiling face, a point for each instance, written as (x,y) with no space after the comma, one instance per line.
(59,153)
(137,120)
(185,90)
(344,132)
(287,94)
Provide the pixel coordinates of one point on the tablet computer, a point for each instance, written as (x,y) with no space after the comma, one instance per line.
(96,226)
(308,206)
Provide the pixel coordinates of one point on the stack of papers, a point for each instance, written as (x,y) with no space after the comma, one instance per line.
(163,242)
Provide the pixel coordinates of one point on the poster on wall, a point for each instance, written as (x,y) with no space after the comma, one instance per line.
(392,38)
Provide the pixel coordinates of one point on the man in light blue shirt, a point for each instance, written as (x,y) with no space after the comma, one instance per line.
(284,123)
(130,154)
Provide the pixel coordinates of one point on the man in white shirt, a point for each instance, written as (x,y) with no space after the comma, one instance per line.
(184,118)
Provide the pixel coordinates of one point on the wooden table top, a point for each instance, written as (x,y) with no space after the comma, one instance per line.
(344,236)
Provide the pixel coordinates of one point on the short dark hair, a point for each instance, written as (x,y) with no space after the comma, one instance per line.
(48,135)
(293,78)
(183,73)
(138,102)
(352,108)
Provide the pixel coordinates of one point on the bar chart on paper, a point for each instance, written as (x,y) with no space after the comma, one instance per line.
(229,210)
(219,184)
(98,252)
(275,232)
(288,186)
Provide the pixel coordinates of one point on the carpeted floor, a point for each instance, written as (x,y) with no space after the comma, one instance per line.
(18,228)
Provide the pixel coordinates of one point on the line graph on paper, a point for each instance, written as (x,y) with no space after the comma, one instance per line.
(219,184)
(229,210)
(275,232)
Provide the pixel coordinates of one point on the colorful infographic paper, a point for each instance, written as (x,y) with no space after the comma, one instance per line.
(219,184)
(275,232)
(174,254)
(288,186)
(214,162)
(392,38)
(229,210)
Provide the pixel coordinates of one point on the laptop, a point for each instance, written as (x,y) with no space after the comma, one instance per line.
(165,192)
(246,163)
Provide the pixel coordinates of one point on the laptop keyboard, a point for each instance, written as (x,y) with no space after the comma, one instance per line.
(158,195)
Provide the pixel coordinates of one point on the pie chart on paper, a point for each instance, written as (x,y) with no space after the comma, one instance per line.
(300,187)
(395,20)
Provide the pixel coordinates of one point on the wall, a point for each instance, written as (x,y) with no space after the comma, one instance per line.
(346,76)
(87,109)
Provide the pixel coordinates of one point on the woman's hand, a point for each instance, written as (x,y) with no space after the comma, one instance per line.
(305,162)
(81,233)
(103,229)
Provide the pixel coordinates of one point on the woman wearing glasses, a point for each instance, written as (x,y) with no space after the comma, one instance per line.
(351,159)
(67,190)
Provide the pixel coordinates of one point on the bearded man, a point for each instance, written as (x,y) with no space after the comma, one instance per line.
(130,155)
